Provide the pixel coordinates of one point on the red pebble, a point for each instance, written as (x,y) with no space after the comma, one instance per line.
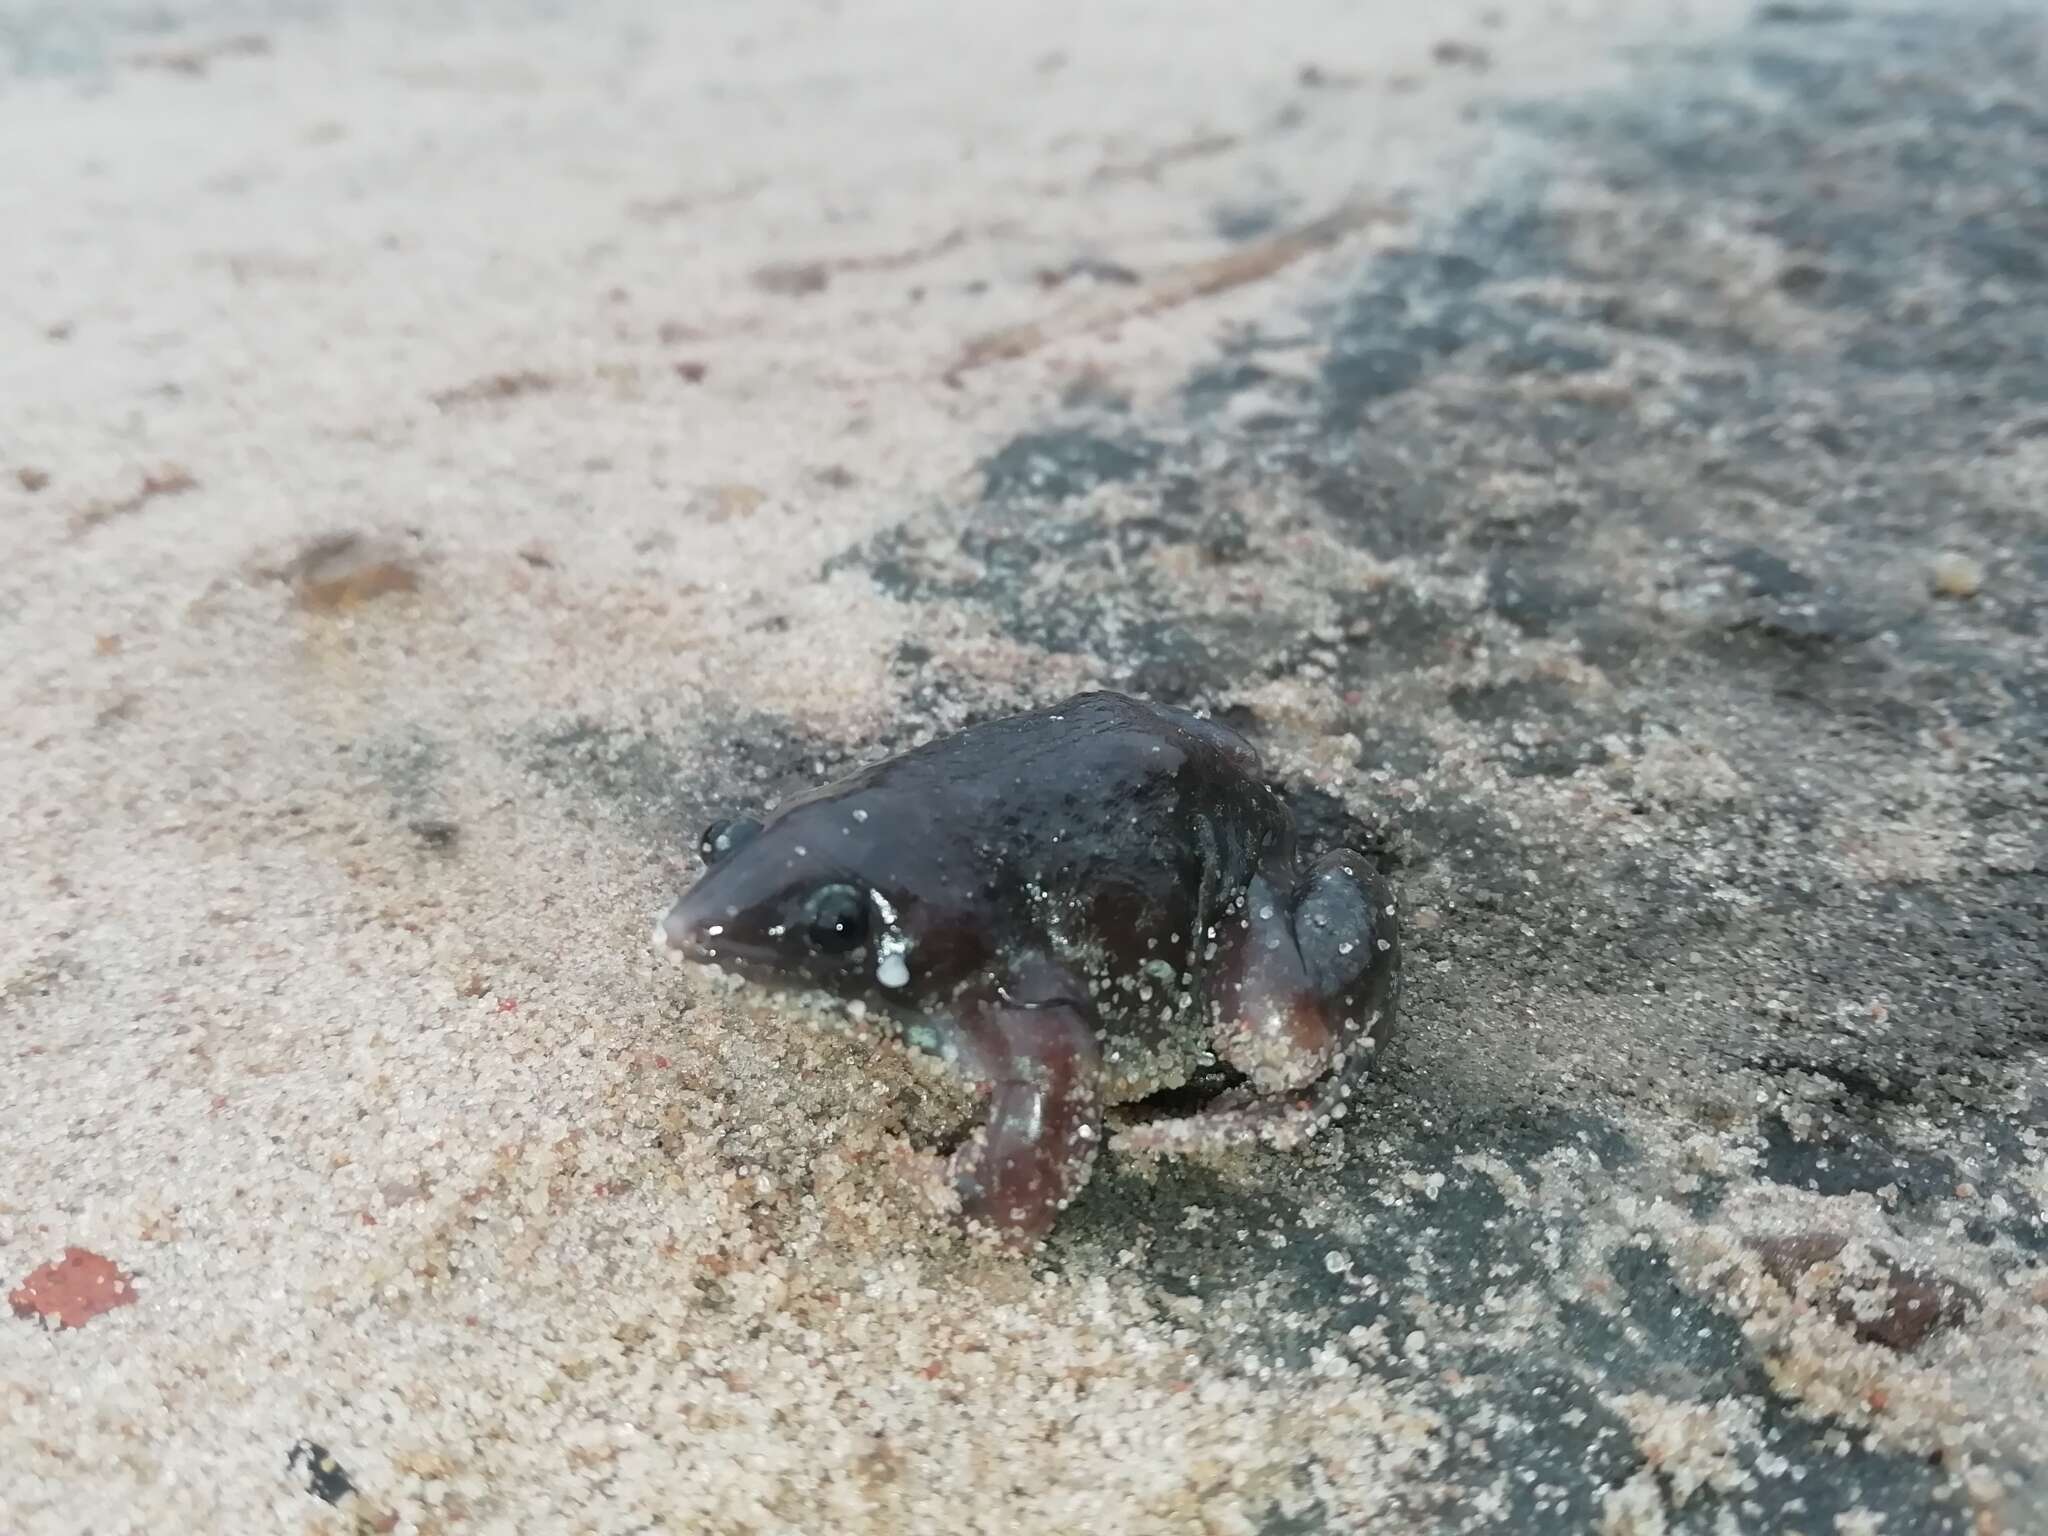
(72,1291)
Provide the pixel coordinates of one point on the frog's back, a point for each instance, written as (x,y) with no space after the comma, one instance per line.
(1081,766)
(1119,816)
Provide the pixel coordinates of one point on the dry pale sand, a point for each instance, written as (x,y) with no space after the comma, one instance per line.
(613,334)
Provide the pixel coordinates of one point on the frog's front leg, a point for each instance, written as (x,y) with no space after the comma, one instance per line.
(1305,994)
(1037,1050)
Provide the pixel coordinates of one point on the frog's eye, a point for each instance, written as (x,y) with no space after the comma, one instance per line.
(836,919)
(721,837)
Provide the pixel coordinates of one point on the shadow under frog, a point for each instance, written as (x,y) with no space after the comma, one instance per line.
(1074,908)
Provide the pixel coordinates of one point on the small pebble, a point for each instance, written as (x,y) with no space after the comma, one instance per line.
(1957,574)
(433,831)
(348,569)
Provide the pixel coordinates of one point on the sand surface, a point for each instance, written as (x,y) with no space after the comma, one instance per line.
(448,453)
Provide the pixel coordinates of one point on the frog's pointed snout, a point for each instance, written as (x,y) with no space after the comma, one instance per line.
(683,933)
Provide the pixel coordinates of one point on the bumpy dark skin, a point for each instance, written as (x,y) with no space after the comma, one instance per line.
(1075,908)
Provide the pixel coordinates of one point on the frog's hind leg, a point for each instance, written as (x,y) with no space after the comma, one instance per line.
(1305,999)
(1345,929)
(1042,1065)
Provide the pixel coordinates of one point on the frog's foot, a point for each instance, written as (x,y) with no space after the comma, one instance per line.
(929,1174)
(1016,1172)
(1271,1020)
(1239,1117)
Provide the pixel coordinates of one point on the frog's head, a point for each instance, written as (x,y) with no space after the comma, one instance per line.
(834,895)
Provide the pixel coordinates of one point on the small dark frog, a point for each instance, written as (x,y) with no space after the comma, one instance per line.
(1074,908)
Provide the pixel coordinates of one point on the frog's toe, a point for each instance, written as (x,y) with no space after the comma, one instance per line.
(1013,1187)
(929,1174)
(1272,1023)
(1239,1117)
(1279,1040)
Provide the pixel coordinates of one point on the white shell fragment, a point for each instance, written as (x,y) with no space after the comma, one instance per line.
(891,969)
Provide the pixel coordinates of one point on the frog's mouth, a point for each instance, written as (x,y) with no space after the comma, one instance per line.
(683,934)
(717,961)
(688,932)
